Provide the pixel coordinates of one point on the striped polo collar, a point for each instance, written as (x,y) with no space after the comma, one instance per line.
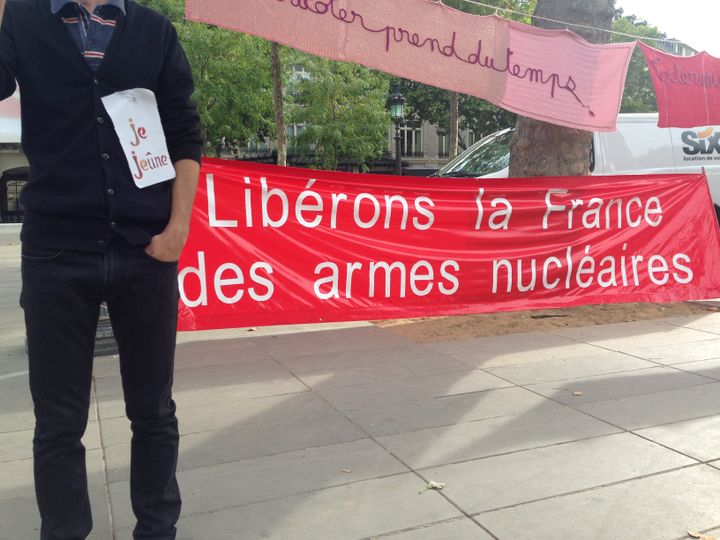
(57,5)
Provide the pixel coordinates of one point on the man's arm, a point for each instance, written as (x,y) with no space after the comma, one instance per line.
(181,123)
(8,60)
(168,245)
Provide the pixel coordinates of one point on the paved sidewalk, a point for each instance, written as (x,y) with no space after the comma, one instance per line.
(607,432)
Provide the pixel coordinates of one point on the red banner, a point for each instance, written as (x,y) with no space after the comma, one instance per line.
(550,75)
(272,245)
(687,88)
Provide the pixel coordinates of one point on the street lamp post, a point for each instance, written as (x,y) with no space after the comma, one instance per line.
(396,107)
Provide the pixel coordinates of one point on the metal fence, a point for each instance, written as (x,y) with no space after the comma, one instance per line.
(11,184)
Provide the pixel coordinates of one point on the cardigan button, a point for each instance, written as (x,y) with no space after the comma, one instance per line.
(105,156)
(96,82)
(111,191)
(100,120)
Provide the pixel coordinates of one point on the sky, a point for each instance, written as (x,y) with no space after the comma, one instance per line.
(697,25)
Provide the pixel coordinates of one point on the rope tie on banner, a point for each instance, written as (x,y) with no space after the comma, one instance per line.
(565,23)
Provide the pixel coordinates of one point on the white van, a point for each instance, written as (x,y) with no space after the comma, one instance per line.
(637,147)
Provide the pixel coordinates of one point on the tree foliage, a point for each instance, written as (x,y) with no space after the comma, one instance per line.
(343,108)
(639,91)
(233,85)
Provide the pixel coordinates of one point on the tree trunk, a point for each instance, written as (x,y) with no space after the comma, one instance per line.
(279,115)
(541,149)
(454,124)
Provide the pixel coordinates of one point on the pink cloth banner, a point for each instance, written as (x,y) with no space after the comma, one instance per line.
(550,75)
(687,88)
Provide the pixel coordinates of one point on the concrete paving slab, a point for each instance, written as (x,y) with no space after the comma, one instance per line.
(241,381)
(409,355)
(15,402)
(650,410)
(17,479)
(196,355)
(368,338)
(342,512)
(569,368)
(234,414)
(413,415)
(247,442)
(680,353)
(633,337)
(17,445)
(211,413)
(503,481)
(414,388)
(497,351)
(380,372)
(19,517)
(458,528)
(12,336)
(14,375)
(9,297)
(250,481)
(618,385)
(472,440)
(232,353)
(522,342)
(12,359)
(699,438)
(101,536)
(10,313)
(661,507)
(265,331)
(112,407)
(21,418)
(706,323)
(706,368)
(203,354)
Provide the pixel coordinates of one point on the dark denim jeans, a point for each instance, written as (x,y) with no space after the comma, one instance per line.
(61,296)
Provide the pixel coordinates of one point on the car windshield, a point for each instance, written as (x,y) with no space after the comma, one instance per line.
(490,155)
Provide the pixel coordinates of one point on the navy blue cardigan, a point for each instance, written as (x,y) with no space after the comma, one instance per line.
(80,191)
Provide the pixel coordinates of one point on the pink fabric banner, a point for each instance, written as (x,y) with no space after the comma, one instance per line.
(549,75)
(687,88)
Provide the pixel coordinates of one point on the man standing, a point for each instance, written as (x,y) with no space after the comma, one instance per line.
(92,234)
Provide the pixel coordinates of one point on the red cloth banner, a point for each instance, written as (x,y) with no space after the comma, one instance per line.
(549,75)
(275,245)
(687,88)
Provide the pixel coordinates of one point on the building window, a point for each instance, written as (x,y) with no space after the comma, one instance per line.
(443,145)
(470,138)
(411,142)
(293,131)
(299,73)
(253,146)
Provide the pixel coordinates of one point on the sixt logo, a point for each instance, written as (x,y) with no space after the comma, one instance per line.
(706,142)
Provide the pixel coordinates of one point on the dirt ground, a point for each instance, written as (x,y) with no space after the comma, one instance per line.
(432,329)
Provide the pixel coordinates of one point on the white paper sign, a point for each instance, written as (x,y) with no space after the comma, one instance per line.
(136,118)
